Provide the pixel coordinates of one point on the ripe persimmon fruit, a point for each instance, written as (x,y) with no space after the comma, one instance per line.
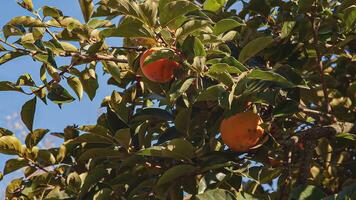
(241,131)
(159,71)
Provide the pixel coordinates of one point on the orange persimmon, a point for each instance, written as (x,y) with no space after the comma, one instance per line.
(159,71)
(241,131)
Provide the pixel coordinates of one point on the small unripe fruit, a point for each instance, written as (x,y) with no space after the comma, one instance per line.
(159,71)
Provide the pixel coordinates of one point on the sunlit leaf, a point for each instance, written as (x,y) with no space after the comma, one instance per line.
(34,137)
(14,164)
(87,7)
(9,56)
(225,25)
(213,5)
(216,194)
(8,86)
(10,145)
(175,9)
(76,85)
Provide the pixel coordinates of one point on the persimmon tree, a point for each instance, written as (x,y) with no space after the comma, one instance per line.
(290,62)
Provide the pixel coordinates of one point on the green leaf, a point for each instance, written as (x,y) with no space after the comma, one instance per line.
(192,26)
(26,21)
(222,67)
(263,175)
(305,5)
(292,75)
(45,157)
(93,138)
(193,47)
(92,179)
(25,79)
(100,153)
(128,27)
(113,69)
(14,164)
(4,131)
(126,7)
(176,148)
(10,145)
(73,180)
(306,192)
(254,47)
(12,30)
(347,192)
(174,173)
(59,95)
(28,113)
(27,4)
(223,77)
(350,16)
(57,193)
(9,56)
(233,62)
(76,85)
(2,48)
(246,196)
(287,28)
(175,9)
(90,83)
(14,186)
(287,107)
(98,23)
(8,86)
(347,136)
(152,114)
(51,11)
(182,120)
(212,93)
(103,194)
(124,137)
(269,76)
(225,25)
(184,86)
(216,194)
(87,7)
(213,5)
(149,10)
(158,54)
(66,22)
(34,137)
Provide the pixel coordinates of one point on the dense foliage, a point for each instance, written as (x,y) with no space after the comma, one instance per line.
(292,62)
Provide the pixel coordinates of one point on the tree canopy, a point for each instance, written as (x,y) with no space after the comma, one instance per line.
(291,62)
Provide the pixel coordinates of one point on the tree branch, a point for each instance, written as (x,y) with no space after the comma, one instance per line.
(85,57)
(54,80)
(309,140)
(130,48)
(319,61)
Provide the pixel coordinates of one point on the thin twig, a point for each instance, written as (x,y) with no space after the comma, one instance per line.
(130,48)
(316,112)
(46,28)
(85,57)
(159,35)
(15,47)
(320,62)
(67,69)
